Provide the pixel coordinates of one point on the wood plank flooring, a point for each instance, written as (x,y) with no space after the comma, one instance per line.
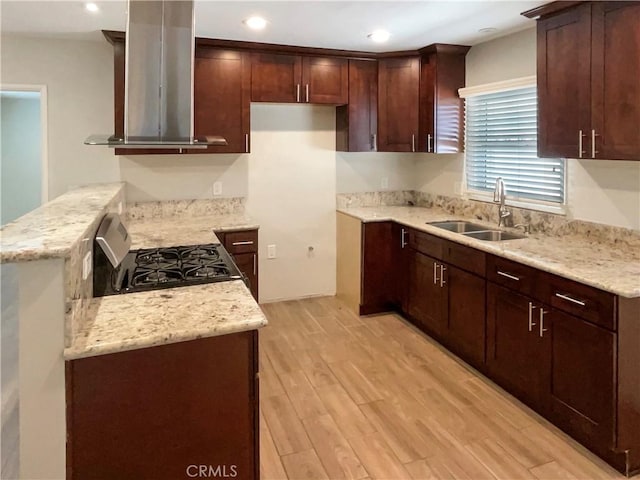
(352,397)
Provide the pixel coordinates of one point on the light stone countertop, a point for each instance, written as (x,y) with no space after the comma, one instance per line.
(604,266)
(183,231)
(131,321)
(52,230)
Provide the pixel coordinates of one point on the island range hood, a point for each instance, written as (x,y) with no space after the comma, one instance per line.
(159,59)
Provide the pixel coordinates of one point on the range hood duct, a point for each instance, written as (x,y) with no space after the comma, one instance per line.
(158,99)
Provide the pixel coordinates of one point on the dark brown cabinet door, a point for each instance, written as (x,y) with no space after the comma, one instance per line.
(582,379)
(427,299)
(564,86)
(615,77)
(325,80)
(441,109)
(357,122)
(247,263)
(398,100)
(378,286)
(152,412)
(276,78)
(221,98)
(401,258)
(466,333)
(517,355)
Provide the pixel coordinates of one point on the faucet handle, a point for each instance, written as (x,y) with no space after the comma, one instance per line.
(525,227)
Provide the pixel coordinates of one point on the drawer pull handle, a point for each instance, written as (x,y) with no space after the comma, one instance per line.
(542,329)
(442,270)
(255,265)
(572,300)
(246,242)
(509,276)
(435,273)
(531,322)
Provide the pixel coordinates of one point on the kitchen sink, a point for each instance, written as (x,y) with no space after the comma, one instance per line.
(459,226)
(494,235)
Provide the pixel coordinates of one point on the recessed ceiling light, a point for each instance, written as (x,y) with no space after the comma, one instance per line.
(255,23)
(92,7)
(488,30)
(379,36)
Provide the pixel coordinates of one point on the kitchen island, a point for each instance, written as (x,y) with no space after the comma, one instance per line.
(59,322)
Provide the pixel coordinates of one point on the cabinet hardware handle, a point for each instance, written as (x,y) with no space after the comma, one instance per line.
(413,143)
(403,242)
(442,270)
(531,322)
(429,142)
(244,242)
(542,329)
(512,277)
(580,150)
(298,92)
(255,264)
(593,143)
(246,143)
(374,142)
(307,91)
(572,300)
(435,273)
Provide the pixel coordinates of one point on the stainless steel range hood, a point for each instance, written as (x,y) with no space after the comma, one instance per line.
(159,58)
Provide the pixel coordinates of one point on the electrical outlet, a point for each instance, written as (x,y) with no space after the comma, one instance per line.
(271,251)
(86,266)
(217,188)
(119,208)
(384,183)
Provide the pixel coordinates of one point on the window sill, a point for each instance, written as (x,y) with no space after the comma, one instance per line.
(511,202)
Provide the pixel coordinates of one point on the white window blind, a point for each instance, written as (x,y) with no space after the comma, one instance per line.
(501,141)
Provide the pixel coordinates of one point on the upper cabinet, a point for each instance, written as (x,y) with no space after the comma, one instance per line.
(398,102)
(221,98)
(357,122)
(442,73)
(588,87)
(299,79)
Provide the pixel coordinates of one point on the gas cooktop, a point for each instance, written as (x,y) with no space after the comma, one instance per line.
(151,269)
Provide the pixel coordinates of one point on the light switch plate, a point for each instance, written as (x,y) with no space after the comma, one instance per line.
(271,251)
(217,188)
(86,266)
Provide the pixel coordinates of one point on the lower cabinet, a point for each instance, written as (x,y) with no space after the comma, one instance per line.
(242,245)
(427,299)
(378,289)
(155,412)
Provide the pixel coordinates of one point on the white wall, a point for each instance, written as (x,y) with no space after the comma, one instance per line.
(21,159)
(79,77)
(597,190)
(364,172)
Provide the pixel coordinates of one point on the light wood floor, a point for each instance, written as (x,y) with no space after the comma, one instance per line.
(344,396)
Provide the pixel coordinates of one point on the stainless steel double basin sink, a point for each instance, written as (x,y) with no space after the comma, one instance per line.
(473,230)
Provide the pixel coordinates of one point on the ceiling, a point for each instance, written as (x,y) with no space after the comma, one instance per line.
(328,24)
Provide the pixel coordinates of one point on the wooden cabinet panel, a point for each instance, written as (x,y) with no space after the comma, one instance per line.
(427,244)
(466,258)
(516,276)
(378,287)
(243,246)
(582,379)
(564,60)
(398,101)
(615,74)
(247,263)
(357,122)
(150,413)
(517,356)
(401,259)
(221,98)
(427,300)
(466,316)
(441,108)
(242,241)
(325,80)
(276,78)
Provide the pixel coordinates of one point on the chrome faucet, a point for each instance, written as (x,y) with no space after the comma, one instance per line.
(499,196)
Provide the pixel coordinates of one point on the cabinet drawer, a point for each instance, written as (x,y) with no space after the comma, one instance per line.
(466,258)
(425,243)
(241,242)
(516,276)
(583,301)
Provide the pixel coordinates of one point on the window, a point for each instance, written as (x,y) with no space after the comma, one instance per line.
(501,141)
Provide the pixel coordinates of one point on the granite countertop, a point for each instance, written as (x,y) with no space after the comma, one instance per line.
(138,320)
(52,230)
(181,231)
(604,266)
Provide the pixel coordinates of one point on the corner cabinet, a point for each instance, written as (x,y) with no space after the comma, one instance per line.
(588,88)
(299,79)
(398,102)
